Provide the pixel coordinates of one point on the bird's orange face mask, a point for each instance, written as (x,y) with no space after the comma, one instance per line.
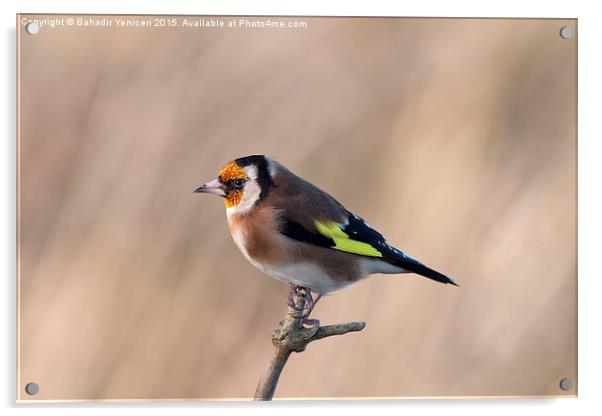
(234,177)
(229,184)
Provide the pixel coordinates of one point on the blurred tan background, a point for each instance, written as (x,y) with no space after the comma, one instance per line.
(454,137)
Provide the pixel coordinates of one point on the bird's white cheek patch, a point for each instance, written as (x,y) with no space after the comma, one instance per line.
(250,196)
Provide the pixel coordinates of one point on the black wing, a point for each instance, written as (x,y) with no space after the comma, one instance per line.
(358,230)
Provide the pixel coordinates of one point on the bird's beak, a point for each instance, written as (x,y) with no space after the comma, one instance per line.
(212,187)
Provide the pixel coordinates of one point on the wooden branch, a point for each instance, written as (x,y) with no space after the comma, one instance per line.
(293,336)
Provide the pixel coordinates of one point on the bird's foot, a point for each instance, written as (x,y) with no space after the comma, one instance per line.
(309,299)
(310,303)
(302,313)
(294,290)
(305,292)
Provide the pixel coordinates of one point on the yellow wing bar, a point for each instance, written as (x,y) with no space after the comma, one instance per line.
(343,242)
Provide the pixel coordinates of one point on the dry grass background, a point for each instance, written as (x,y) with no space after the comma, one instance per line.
(455,137)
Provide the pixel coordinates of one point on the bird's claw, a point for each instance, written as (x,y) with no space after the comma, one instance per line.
(303,292)
(306,310)
(299,291)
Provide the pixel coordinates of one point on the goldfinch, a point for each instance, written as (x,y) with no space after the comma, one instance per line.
(297,233)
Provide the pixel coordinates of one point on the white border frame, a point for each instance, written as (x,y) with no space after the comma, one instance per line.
(590,198)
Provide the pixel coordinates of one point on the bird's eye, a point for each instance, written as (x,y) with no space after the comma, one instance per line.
(238,183)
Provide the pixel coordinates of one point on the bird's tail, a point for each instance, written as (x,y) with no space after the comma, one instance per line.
(419,268)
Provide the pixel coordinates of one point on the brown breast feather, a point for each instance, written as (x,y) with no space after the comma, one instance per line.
(302,202)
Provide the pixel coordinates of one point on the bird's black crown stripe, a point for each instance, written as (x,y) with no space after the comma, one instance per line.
(251,160)
(263,174)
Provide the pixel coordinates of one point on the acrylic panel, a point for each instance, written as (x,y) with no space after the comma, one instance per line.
(454,138)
